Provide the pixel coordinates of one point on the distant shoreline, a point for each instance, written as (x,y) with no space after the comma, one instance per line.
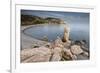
(30,20)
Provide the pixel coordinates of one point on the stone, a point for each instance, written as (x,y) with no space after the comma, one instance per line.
(67,55)
(83,42)
(40,54)
(85,53)
(85,48)
(66,34)
(48,45)
(58,43)
(77,42)
(76,49)
(56,57)
(67,44)
(57,54)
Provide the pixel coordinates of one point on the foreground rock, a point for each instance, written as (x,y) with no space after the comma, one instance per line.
(40,54)
(56,54)
(67,55)
(76,49)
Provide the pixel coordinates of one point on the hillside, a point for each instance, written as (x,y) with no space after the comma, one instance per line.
(31,20)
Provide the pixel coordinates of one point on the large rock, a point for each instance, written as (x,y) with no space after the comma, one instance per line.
(67,44)
(40,54)
(66,34)
(57,54)
(67,55)
(76,49)
(58,43)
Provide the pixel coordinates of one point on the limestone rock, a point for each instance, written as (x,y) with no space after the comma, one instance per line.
(67,55)
(76,49)
(58,43)
(40,54)
(57,54)
(67,44)
(66,34)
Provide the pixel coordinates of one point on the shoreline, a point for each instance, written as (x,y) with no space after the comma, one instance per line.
(34,50)
(27,41)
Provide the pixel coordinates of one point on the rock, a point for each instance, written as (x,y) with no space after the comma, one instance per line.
(78,42)
(45,38)
(67,55)
(85,48)
(83,42)
(76,50)
(82,57)
(85,53)
(56,57)
(58,43)
(67,44)
(66,34)
(74,57)
(40,54)
(48,45)
(57,54)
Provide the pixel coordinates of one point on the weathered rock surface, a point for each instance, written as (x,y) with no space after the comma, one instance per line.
(57,54)
(40,54)
(66,34)
(58,43)
(67,55)
(76,49)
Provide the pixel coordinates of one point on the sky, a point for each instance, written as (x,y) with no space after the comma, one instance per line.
(73,18)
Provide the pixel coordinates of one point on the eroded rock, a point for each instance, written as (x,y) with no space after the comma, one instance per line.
(76,49)
(57,54)
(67,55)
(66,34)
(40,54)
(58,43)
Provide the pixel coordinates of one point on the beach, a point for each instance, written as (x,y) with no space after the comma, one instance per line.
(27,41)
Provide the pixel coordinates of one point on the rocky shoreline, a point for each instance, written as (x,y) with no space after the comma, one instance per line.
(28,41)
(62,49)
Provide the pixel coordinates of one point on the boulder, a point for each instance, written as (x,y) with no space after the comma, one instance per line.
(76,49)
(67,44)
(57,54)
(66,34)
(58,43)
(40,54)
(67,55)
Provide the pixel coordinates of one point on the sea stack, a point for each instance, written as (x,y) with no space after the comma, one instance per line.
(66,34)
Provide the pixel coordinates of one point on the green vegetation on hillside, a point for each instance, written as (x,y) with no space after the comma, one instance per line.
(31,20)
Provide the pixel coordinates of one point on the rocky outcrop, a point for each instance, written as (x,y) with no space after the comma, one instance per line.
(56,51)
(40,54)
(67,55)
(66,34)
(76,49)
(57,54)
